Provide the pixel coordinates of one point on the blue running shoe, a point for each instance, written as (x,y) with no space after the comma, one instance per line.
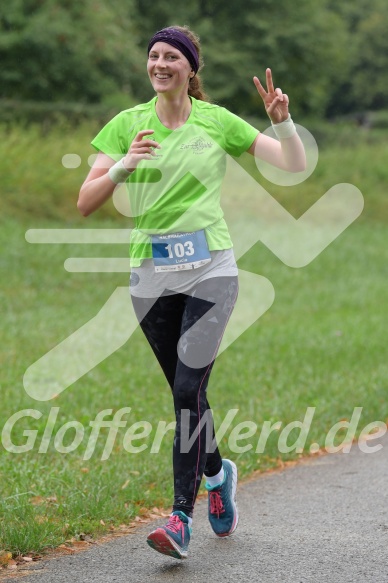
(223,514)
(172,539)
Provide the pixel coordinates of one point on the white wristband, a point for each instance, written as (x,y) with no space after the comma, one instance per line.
(118,173)
(284,129)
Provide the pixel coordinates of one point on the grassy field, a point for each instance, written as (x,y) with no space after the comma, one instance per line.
(320,345)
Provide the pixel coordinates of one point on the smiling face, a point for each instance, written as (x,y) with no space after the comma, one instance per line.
(168,69)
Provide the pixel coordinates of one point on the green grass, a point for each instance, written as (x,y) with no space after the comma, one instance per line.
(320,345)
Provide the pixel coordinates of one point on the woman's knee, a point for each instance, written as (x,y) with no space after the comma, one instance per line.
(187,394)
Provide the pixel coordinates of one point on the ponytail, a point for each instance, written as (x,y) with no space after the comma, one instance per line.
(196,89)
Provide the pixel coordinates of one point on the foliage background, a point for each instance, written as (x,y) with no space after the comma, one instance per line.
(330,56)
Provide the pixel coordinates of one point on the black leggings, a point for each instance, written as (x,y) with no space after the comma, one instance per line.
(167,321)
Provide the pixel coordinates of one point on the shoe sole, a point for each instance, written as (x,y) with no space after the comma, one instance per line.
(234,489)
(161,542)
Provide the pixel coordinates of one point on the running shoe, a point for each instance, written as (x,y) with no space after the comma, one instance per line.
(172,539)
(222,508)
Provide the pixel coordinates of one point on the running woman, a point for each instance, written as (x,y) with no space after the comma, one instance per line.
(171,155)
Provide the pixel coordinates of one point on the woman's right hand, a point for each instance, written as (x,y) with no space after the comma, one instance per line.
(140,149)
(98,187)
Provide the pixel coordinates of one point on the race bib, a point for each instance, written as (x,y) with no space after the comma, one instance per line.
(178,251)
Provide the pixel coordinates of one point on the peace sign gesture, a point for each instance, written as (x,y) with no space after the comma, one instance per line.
(275,101)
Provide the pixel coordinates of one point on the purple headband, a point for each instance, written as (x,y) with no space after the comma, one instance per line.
(180,41)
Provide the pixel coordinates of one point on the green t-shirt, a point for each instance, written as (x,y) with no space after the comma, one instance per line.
(179,189)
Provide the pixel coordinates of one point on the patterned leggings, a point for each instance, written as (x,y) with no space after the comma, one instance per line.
(194,323)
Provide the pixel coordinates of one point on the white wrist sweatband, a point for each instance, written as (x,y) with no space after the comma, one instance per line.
(284,129)
(118,173)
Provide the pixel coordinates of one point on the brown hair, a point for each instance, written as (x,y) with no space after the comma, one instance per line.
(196,89)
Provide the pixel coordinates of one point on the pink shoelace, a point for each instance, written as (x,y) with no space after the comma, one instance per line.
(175,524)
(216,505)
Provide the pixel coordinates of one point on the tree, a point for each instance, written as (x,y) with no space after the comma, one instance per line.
(362,85)
(370,70)
(303,42)
(59,50)
(328,55)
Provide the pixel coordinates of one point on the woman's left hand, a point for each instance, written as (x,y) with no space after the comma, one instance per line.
(275,101)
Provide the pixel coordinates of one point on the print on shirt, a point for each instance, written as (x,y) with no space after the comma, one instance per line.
(197,145)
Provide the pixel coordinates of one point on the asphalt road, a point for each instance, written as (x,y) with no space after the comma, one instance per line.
(322,521)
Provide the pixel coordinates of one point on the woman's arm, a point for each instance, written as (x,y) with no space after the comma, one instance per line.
(98,187)
(288,153)
(100,183)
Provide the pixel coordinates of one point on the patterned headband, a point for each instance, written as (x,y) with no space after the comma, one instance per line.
(180,41)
